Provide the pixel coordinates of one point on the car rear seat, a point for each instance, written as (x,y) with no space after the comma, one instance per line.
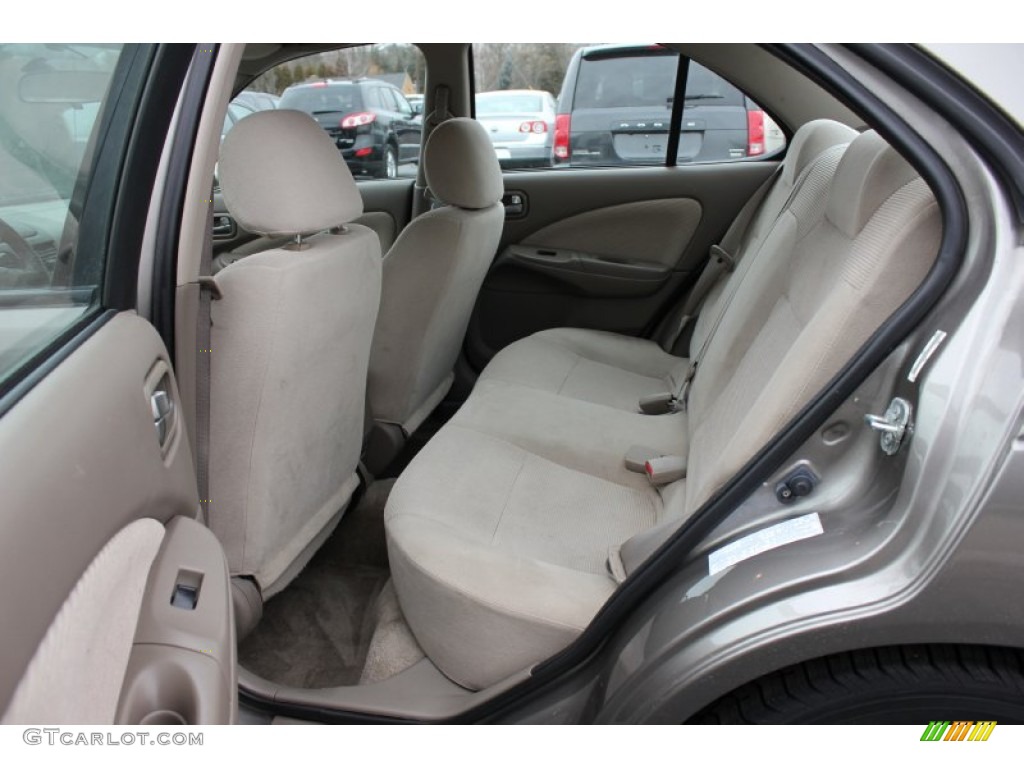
(501,531)
(615,370)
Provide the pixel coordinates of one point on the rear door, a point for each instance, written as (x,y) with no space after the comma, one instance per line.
(613,236)
(117,606)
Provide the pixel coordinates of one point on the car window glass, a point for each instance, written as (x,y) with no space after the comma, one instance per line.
(351,93)
(403,104)
(579,104)
(389,99)
(508,103)
(323,98)
(625,82)
(51,99)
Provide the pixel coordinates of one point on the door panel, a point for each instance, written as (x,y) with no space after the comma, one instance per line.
(609,249)
(655,231)
(84,468)
(182,666)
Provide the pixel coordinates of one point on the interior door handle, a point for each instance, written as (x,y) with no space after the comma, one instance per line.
(163,415)
(223,226)
(515,205)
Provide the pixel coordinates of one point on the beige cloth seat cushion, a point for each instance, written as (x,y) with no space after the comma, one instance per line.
(499,555)
(591,366)
(579,435)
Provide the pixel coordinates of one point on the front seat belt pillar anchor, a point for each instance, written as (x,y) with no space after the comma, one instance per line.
(209,283)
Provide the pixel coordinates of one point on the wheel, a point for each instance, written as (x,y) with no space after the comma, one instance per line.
(389,169)
(910,685)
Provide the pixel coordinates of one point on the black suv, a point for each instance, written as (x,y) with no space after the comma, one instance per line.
(616,104)
(370,121)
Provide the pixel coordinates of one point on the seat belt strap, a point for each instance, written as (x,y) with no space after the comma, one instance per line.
(208,290)
(723,257)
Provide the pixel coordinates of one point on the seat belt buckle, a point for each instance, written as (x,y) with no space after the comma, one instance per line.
(655,405)
(637,457)
(723,257)
(665,469)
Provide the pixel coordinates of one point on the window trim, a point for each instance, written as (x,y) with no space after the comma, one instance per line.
(675,123)
(172,202)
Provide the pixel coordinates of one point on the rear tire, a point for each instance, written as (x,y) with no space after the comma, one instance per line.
(909,685)
(389,167)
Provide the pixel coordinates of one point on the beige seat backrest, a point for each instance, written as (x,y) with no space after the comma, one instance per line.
(432,275)
(842,258)
(811,157)
(290,344)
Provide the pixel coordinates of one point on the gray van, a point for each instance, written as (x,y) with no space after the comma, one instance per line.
(615,108)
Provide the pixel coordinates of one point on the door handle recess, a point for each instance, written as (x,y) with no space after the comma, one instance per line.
(159,389)
(223,226)
(163,415)
(516,205)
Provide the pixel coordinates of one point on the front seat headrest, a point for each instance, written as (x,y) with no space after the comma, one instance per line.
(461,166)
(281,174)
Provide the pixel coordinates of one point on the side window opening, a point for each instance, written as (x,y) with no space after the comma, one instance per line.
(614,107)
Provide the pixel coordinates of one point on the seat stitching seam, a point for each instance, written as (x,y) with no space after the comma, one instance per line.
(508,499)
(594,359)
(528,452)
(568,374)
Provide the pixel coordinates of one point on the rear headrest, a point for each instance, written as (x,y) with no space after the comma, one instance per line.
(809,142)
(281,174)
(461,166)
(869,173)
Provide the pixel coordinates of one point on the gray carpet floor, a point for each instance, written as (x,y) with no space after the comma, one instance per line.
(317,632)
(393,648)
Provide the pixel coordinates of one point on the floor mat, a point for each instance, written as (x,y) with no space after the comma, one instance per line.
(316,633)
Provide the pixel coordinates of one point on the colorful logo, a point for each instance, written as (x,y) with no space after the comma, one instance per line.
(959,730)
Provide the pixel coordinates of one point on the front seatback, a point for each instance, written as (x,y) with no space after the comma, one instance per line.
(290,343)
(432,275)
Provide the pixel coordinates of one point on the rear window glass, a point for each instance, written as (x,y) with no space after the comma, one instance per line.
(625,81)
(508,103)
(318,99)
(705,87)
(647,81)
